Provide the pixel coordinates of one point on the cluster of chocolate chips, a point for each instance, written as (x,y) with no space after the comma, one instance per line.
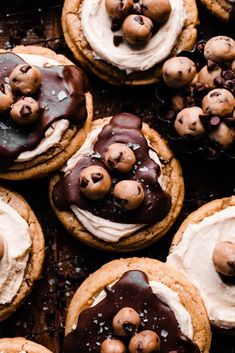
(96,182)
(223,258)
(24,81)
(138,19)
(202,103)
(125,325)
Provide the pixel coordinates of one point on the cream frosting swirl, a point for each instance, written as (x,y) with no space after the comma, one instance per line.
(102,228)
(55,132)
(171,299)
(96,26)
(15,234)
(193,255)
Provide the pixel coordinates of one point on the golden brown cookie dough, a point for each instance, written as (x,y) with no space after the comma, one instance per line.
(72,138)
(21,345)
(36,256)
(172,178)
(155,271)
(71,21)
(220,8)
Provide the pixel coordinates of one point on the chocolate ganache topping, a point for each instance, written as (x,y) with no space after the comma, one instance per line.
(94,324)
(60,96)
(123,128)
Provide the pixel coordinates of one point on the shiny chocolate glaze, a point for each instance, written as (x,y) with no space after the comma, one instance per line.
(123,128)
(61,95)
(94,324)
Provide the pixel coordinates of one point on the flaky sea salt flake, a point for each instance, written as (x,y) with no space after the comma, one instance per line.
(164,333)
(61,96)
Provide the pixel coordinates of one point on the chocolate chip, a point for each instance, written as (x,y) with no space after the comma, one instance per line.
(140,347)
(200,47)
(121,5)
(116,25)
(228,84)
(84,183)
(189,101)
(226,65)
(25,68)
(170,114)
(129,328)
(111,163)
(193,126)
(201,89)
(137,8)
(227,75)
(218,81)
(211,65)
(215,94)
(25,110)
(181,120)
(96,177)
(231,264)
(2,88)
(119,158)
(215,120)
(139,19)
(117,40)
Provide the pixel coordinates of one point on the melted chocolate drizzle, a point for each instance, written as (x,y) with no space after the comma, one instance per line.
(123,128)
(61,95)
(132,289)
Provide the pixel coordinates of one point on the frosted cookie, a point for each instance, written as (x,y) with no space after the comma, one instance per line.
(45,111)
(136,305)
(20,345)
(204,248)
(126,42)
(222,9)
(21,251)
(122,190)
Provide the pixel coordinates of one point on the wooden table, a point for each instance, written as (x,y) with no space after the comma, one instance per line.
(68,262)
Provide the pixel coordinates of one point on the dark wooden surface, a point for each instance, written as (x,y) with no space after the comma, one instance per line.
(67,261)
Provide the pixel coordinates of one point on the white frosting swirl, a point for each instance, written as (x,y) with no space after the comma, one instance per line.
(14,231)
(96,25)
(171,299)
(194,256)
(52,137)
(55,132)
(102,228)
